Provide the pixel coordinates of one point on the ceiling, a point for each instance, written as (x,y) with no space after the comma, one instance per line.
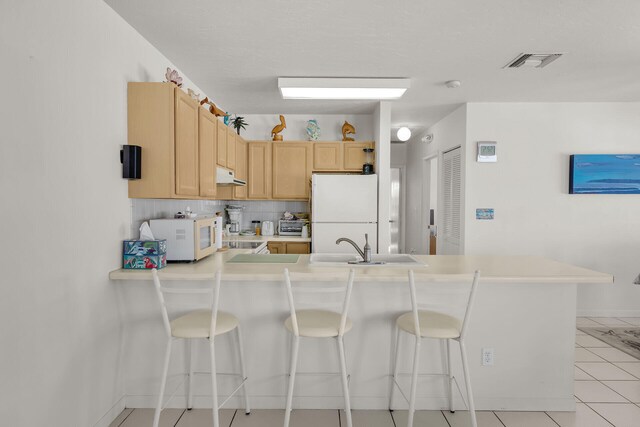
(235,50)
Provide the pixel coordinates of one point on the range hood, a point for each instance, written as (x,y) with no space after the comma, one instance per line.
(227,177)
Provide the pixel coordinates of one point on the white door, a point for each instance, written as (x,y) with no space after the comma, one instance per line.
(450,233)
(324,236)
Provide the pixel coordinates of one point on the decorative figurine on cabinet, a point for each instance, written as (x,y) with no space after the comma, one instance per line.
(347,128)
(279,128)
(195,96)
(172,76)
(313,130)
(212,108)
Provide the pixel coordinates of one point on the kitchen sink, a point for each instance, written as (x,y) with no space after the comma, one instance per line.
(389,260)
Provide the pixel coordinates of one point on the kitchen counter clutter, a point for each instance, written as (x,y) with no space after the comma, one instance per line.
(524,313)
(274,238)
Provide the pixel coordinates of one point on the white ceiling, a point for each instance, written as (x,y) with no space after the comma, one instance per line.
(234,50)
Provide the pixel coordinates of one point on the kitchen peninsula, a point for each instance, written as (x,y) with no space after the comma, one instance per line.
(525,310)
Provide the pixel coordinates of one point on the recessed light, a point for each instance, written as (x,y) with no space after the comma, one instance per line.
(453,84)
(342,88)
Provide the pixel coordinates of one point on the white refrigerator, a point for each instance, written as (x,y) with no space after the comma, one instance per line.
(343,206)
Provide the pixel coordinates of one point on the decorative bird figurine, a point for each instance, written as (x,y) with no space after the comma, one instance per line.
(212,107)
(347,128)
(279,128)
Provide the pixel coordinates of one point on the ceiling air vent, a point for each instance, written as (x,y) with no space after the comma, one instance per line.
(533,60)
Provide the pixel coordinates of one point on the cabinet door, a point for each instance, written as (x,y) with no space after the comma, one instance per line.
(354,157)
(187,176)
(327,156)
(231,148)
(297,247)
(277,247)
(291,170)
(207,134)
(240,193)
(222,144)
(259,173)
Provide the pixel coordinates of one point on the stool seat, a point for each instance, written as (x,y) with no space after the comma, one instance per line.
(318,323)
(197,324)
(432,324)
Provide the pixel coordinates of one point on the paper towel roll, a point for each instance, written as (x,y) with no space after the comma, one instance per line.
(218,232)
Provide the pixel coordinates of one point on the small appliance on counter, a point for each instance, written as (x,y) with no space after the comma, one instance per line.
(235,219)
(367,167)
(267,228)
(187,239)
(292,227)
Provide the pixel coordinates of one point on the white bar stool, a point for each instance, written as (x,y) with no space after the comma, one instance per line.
(316,323)
(427,320)
(194,325)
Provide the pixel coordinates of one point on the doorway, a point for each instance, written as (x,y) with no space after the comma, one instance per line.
(396,211)
(429,211)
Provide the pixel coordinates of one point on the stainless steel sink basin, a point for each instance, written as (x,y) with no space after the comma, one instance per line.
(344,260)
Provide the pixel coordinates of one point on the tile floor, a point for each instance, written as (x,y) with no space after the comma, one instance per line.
(607,390)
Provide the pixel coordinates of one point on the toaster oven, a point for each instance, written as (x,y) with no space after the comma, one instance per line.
(291,227)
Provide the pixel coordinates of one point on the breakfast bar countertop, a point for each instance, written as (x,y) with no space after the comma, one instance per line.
(495,269)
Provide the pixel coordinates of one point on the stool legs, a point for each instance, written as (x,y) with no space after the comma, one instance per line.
(192,355)
(247,409)
(448,350)
(214,383)
(467,382)
(414,382)
(395,368)
(163,383)
(292,375)
(345,381)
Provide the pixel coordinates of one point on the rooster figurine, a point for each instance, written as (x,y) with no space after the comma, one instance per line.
(279,128)
(347,128)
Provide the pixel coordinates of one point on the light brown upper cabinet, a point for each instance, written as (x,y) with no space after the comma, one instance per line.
(259,170)
(207,137)
(165,121)
(231,148)
(222,145)
(354,157)
(240,192)
(327,156)
(292,166)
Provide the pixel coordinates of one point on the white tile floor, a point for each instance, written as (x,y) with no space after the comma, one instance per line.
(607,390)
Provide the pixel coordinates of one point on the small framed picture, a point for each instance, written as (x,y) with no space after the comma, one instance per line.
(487,152)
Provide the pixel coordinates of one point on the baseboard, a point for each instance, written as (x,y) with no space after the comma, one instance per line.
(112,413)
(607,313)
(364,402)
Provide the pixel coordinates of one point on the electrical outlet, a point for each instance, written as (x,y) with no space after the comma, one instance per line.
(487,357)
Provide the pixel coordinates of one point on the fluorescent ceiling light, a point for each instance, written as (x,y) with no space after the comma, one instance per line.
(341,88)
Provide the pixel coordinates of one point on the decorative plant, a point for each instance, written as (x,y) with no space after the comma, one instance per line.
(238,123)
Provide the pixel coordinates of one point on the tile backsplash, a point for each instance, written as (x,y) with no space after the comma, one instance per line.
(261,210)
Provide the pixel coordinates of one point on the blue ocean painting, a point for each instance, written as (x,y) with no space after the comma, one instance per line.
(604,174)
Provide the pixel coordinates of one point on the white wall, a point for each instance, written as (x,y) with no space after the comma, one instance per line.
(260,126)
(65,209)
(448,133)
(534,214)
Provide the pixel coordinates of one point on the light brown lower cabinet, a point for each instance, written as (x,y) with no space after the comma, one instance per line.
(289,247)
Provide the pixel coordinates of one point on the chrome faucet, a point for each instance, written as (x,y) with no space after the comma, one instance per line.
(366,254)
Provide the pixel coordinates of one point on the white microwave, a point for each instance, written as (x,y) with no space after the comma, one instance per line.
(187,239)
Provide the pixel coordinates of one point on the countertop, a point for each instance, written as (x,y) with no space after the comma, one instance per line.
(275,238)
(494,269)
